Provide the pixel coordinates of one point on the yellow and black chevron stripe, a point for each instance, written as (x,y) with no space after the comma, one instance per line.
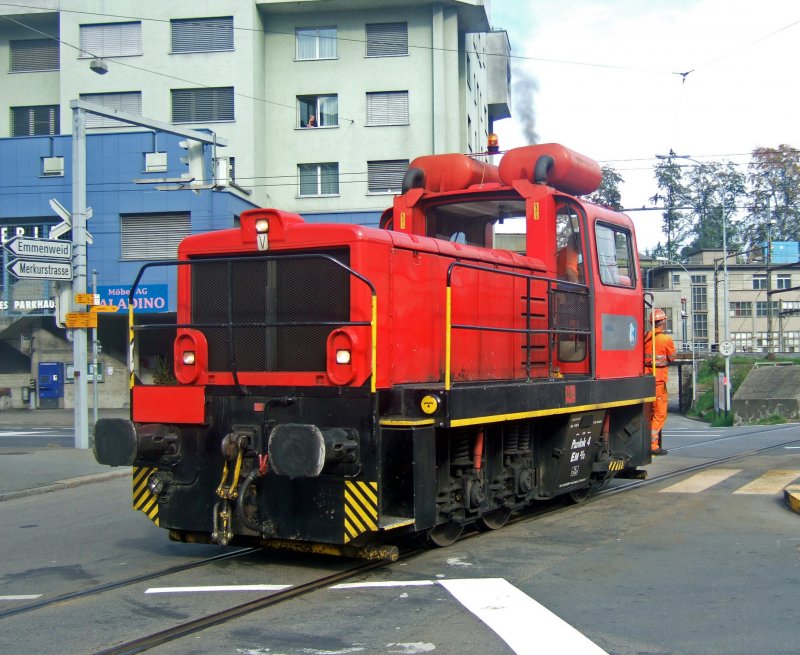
(143,498)
(616,465)
(360,508)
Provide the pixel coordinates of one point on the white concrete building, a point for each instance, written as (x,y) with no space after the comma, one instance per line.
(386,81)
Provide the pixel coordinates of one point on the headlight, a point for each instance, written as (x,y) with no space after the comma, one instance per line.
(342,356)
(262,225)
(188,357)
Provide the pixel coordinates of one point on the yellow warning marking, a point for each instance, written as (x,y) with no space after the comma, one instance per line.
(360,508)
(771,482)
(143,499)
(700,481)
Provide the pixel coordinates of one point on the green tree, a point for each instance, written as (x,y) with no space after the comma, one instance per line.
(774,177)
(608,193)
(672,192)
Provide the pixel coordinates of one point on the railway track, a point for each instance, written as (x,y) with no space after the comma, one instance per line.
(147,642)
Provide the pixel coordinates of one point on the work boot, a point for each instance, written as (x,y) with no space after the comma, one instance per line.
(658,451)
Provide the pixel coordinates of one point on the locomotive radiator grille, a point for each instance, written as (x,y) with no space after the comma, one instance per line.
(360,508)
(143,499)
(267,306)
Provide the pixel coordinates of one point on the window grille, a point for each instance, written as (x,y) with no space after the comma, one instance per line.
(386,176)
(387,39)
(35,121)
(387,108)
(129,102)
(202,34)
(202,105)
(111,40)
(153,236)
(33,55)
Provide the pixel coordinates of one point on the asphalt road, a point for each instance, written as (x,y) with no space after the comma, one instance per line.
(702,562)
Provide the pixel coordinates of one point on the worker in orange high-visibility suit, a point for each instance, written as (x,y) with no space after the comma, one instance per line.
(658,358)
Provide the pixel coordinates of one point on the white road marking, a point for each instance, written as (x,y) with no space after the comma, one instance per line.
(525,625)
(26,433)
(21,597)
(405,583)
(772,482)
(233,587)
(700,481)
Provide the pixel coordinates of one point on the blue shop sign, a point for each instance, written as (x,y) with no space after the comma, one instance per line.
(149,298)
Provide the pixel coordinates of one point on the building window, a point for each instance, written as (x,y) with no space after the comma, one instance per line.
(699,294)
(34,55)
(386,176)
(614,255)
(784,281)
(676,280)
(129,102)
(111,40)
(324,109)
(202,105)
(743,341)
(790,306)
(153,236)
(741,309)
(700,323)
(759,282)
(318,179)
(791,341)
(387,39)
(387,108)
(35,121)
(669,327)
(202,34)
(762,307)
(315,43)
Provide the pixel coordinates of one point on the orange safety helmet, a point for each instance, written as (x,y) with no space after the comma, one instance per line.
(657,316)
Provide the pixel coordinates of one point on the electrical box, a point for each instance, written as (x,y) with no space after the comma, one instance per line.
(51,385)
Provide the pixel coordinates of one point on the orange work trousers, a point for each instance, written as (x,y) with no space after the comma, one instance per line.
(659,413)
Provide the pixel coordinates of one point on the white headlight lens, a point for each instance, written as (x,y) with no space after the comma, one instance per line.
(342,356)
(262,225)
(188,357)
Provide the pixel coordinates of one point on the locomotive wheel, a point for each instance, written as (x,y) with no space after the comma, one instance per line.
(578,496)
(493,520)
(444,535)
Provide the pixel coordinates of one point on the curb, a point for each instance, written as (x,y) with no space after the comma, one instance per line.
(59,485)
(792,496)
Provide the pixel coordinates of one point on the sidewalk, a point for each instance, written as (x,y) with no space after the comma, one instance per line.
(35,469)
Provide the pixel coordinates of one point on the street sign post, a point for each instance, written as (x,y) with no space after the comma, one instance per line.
(87,298)
(41,270)
(40,248)
(82,320)
(104,309)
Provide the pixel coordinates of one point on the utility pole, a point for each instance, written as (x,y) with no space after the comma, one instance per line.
(79,336)
(769,278)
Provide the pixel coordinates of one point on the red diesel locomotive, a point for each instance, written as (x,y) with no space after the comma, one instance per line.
(337,385)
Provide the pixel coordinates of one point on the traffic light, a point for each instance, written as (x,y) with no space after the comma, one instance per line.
(195,159)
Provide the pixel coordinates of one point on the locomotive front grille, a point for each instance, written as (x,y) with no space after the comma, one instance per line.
(260,303)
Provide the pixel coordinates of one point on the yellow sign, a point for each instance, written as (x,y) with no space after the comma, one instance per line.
(81,320)
(429,404)
(87,298)
(95,309)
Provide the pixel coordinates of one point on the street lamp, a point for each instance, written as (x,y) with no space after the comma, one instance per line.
(691,320)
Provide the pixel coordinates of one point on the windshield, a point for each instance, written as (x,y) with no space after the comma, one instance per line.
(473,222)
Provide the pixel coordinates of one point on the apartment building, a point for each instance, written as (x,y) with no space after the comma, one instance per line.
(763,308)
(386,82)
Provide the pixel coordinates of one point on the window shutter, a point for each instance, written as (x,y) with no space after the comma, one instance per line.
(153,236)
(202,105)
(386,176)
(202,34)
(387,39)
(130,103)
(390,108)
(34,55)
(35,121)
(111,40)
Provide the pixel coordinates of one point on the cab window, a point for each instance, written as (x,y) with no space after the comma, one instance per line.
(615,255)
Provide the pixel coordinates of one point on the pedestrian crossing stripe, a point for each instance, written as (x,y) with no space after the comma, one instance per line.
(143,499)
(769,483)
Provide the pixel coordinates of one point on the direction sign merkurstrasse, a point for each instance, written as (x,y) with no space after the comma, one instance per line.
(23,268)
(40,248)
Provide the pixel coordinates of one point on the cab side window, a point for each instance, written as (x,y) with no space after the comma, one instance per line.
(615,255)
(569,256)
